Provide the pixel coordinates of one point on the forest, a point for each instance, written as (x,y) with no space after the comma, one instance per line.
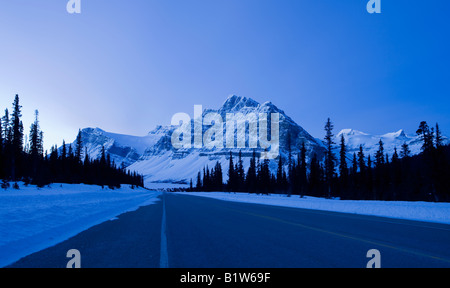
(26,161)
(406,177)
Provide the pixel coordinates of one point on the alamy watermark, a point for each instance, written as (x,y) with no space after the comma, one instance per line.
(190,133)
(75,261)
(73,6)
(374,6)
(375,258)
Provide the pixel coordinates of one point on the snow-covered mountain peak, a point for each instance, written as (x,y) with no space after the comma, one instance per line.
(235,104)
(350,132)
(396,135)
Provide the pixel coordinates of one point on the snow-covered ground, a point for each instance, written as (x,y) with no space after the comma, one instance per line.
(419,211)
(33,219)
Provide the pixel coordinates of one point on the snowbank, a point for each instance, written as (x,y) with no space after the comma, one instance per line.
(419,211)
(33,219)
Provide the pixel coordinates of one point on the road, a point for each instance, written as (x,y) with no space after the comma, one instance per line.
(195,232)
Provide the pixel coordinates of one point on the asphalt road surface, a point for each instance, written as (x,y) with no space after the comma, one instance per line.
(184,231)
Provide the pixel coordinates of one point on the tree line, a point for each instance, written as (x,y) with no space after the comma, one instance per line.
(26,160)
(400,176)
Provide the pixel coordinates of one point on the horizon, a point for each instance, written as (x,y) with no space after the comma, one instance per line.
(337,132)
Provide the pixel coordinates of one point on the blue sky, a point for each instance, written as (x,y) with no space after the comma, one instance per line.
(126,66)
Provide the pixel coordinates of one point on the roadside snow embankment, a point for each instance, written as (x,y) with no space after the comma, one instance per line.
(33,219)
(418,211)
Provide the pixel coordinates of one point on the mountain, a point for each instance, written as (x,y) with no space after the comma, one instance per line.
(124,150)
(355,138)
(155,157)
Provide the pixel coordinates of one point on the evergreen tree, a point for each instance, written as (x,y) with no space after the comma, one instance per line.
(86,157)
(16,139)
(290,164)
(379,156)
(36,139)
(267,179)
(426,135)
(343,166)
(64,151)
(438,137)
(259,185)
(70,152)
(369,180)
(395,157)
(218,177)
(251,174)
(405,152)
(329,156)
(206,179)
(302,170)
(314,175)
(396,170)
(231,174)
(17,126)
(354,165)
(36,150)
(7,133)
(361,160)
(280,171)
(78,147)
(199,182)
(103,157)
(240,173)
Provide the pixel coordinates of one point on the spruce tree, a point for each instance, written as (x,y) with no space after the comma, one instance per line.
(251,174)
(103,157)
(438,137)
(6,129)
(17,126)
(314,175)
(329,156)
(280,171)
(361,160)
(231,174)
(36,150)
(354,165)
(64,152)
(369,180)
(36,138)
(240,173)
(218,177)
(395,157)
(290,164)
(302,169)
(78,147)
(379,156)
(405,152)
(343,166)
(426,135)
(16,139)
(198,187)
